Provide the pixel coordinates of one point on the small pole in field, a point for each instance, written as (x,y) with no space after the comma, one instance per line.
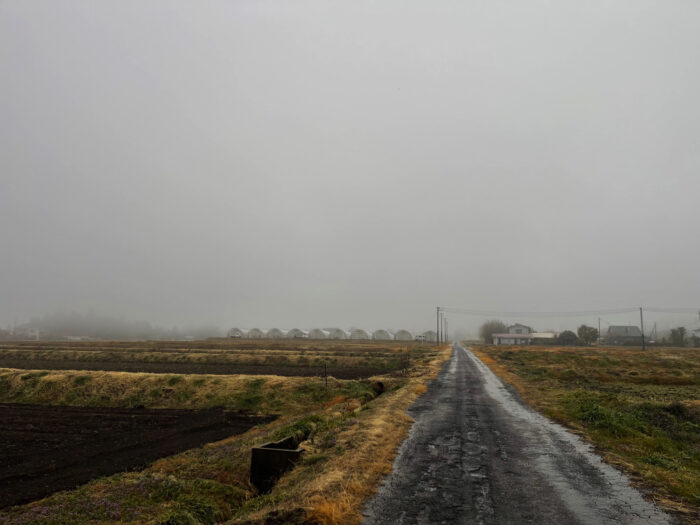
(325,373)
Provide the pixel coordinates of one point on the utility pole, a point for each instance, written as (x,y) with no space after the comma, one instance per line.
(437,333)
(599,331)
(641,319)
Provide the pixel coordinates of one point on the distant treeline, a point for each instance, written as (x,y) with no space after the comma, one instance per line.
(73,324)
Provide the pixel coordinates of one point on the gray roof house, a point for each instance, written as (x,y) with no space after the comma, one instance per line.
(623,335)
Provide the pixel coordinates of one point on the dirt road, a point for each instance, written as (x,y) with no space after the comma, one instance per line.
(478,454)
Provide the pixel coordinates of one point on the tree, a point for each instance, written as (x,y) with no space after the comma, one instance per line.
(587,334)
(678,336)
(567,337)
(491,327)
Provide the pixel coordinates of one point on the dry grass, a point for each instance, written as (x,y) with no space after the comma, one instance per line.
(260,393)
(364,447)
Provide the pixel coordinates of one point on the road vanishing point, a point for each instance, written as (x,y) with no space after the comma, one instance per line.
(477,454)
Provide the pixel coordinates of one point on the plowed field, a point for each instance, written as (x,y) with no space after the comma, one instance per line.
(46,449)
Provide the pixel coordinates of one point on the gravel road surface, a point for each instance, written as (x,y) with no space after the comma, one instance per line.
(478,454)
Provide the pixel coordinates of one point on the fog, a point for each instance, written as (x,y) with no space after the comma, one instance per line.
(347,163)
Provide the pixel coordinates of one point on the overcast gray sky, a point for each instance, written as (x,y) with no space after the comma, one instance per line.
(347,163)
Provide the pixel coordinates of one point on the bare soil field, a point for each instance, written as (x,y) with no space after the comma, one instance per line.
(46,449)
(340,372)
(342,359)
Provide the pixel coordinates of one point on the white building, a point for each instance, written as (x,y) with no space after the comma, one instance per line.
(518,334)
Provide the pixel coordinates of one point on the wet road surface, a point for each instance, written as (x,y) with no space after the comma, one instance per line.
(477,454)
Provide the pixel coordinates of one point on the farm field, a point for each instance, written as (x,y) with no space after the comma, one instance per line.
(641,409)
(61,421)
(46,449)
(341,359)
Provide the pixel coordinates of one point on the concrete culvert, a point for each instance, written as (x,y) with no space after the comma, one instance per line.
(269,461)
(378,387)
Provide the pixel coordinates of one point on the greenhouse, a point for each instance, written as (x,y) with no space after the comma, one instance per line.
(403,335)
(382,335)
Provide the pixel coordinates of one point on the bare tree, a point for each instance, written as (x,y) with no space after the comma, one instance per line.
(491,327)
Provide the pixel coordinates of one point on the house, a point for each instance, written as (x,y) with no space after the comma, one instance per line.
(624,335)
(544,338)
(518,334)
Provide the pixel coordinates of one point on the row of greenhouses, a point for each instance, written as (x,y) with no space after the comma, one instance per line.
(332,333)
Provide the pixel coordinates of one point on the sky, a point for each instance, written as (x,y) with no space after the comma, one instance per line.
(316,163)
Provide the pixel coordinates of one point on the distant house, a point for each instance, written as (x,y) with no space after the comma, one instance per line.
(544,338)
(624,335)
(518,334)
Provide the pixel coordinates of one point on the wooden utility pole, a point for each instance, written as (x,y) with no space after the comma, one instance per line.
(641,319)
(438,325)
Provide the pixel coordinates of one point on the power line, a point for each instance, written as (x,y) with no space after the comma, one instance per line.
(580,313)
